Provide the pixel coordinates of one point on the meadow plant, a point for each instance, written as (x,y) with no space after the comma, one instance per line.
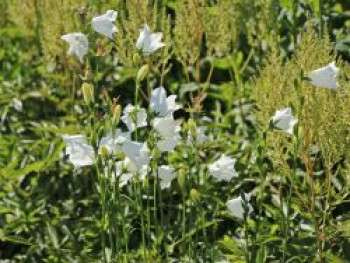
(168,152)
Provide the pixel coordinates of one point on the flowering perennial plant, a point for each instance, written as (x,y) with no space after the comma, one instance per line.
(175,149)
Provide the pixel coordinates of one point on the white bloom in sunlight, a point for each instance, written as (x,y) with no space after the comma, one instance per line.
(149,42)
(122,171)
(235,206)
(79,151)
(325,77)
(284,120)
(137,152)
(166,174)
(78,45)
(161,104)
(125,170)
(166,126)
(134,117)
(104,24)
(114,143)
(224,168)
(168,129)
(124,179)
(167,144)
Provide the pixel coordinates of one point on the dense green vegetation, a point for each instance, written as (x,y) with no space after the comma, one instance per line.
(254,167)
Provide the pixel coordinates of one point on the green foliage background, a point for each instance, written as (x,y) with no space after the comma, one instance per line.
(232,60)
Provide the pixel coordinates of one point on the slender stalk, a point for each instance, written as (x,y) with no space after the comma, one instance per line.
(321,11)
(184,216)
(138,193)
(103,209)
(327,205)
(246,236)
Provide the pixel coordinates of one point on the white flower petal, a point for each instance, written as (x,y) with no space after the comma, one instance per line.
(235,206)
(79,151)
(149,42)
(104,24)
(224,168)
(284,120)
(166,126)
(134,117)
(78,45)
(124,179)
(325,77)
(137,152)
(168,144)
(166,174)
(162,105)
(113,143)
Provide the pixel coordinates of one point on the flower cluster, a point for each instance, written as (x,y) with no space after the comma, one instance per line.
(325,77)
(147,42)
(136,155)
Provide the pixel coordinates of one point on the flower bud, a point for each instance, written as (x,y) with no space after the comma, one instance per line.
(182,178)
(104,152)
(136,58)
(145,184)
(142,73)
(194,195)
(116,110)
(192,126)
(88,93)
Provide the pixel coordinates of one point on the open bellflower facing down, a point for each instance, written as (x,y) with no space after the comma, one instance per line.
(125,170)
(78,45)
(284,120)
(104,24)
(168,129)
(134,117)
(149,42)
(224,168)
(138,153)
(161,104)
(114,142)
(79,151)
(235,206)
(166,174)
(325,77)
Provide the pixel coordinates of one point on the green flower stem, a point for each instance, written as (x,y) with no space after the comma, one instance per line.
(246,236)
(321,11)
(103,208)
(138,195)
(116,209)
(184,216)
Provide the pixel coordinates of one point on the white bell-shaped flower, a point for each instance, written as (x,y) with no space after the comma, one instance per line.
(149,42)
(325,77)
(104,24)
(284,120)
(79,151)
(161,104)
(166,174)
(167,144)
(166,126)
(224,168)
(78,45)
(168,129)
(137,152)
(235,206)
(114,142)
(134,117)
